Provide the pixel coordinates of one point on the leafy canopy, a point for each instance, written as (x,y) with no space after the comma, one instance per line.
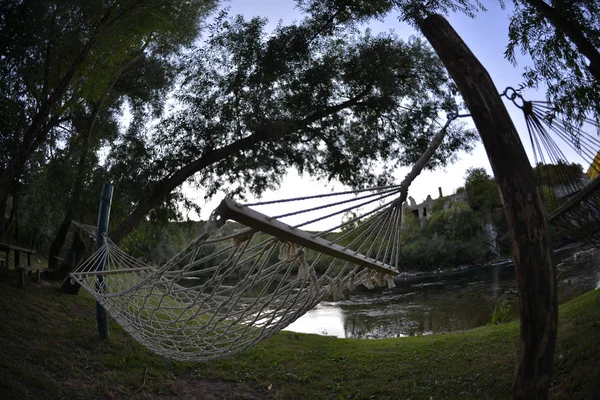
(336,107)
(557,63)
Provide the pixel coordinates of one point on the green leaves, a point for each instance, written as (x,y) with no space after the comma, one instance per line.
(482,191)
(332,106)
(66,69)
(557,62)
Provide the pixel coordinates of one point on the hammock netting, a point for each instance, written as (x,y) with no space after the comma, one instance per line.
(241,282)
(227,291)
(571,197)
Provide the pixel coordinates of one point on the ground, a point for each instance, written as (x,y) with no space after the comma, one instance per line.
(50,349)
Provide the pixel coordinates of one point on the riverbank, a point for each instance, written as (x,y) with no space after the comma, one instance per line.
(426,276)
(50,350)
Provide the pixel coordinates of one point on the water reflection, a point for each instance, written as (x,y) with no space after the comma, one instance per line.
(459,302)
(324,319)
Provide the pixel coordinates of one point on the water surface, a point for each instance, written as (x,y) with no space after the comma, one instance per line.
(439,304)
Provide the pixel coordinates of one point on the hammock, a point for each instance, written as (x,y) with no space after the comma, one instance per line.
(239,283)
(225,292)
(573,198)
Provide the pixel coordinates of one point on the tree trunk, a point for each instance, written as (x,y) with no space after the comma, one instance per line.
(59,241)
(527,222)
(573,31)
(3,223)
(12,219)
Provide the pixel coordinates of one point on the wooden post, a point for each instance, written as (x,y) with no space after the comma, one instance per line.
(20,272)
(101,232)
(527,222)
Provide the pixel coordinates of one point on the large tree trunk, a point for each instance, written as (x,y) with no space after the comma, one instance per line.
(573,31)
(167,185)
(522,201)
(59,241)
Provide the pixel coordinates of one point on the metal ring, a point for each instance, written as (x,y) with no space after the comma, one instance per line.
(513,95)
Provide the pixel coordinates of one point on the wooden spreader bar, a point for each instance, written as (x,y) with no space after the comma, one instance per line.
(229,209)
(575,201)
(113,271)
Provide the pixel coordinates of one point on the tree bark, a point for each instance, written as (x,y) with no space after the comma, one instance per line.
(73,204)
(573,31)
(167,185)
(527,222)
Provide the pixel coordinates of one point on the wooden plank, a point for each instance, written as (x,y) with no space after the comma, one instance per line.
(6,246)
(575,201)
(113,271)
(229,209)
(33,268)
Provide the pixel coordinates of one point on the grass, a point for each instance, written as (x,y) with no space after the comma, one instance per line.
(49,349)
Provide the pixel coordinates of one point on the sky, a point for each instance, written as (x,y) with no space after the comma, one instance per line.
(486,35)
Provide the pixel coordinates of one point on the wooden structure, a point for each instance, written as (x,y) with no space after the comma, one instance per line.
(34,271)
(229,209)
(7,248)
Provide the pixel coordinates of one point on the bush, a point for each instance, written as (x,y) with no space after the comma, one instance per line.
(501,312)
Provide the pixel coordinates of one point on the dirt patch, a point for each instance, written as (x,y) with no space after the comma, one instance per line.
(189,388)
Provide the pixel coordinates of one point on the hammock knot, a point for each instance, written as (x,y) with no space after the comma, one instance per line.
(287,251)
(303,270)
(335,288)
(390,281)
(380,279)
(352,283)
(241,238)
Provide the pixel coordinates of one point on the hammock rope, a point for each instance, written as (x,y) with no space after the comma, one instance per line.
(574,197)
(240,282)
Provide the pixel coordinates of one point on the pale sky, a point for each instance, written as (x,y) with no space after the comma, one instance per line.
(486,35)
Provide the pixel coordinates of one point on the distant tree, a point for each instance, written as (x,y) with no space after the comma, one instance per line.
(482,192)
(558,174)
(449,238)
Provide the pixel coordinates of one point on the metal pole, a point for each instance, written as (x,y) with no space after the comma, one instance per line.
(101,232)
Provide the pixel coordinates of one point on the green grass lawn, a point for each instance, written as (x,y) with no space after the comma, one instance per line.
(49,348)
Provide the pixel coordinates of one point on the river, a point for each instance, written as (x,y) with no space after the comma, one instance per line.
(440,303)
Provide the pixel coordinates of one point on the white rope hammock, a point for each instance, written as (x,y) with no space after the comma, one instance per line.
(225,292)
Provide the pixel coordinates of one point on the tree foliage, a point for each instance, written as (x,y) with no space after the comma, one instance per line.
(482,192)
(66,69)
(254,104)
(451,237)
(558,174)
(558,62)
(59,58)
(412,11)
